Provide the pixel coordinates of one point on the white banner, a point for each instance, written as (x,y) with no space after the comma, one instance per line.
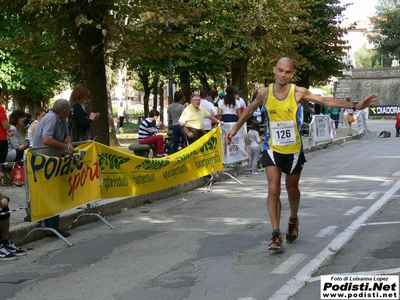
(237,151)
(361,122)
(322,129)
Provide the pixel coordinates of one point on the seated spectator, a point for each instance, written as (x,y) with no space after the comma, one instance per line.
(148,133)
(8,250)
(16,145)
(192,119)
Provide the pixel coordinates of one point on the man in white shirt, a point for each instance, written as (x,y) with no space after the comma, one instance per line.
(208,106)
(121,114)
(241,102)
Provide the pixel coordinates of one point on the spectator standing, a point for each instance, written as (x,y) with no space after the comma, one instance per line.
(220,98)
(148,133)
(16,146)
(52,131)
(192,119)
(79,96)
(208,106)
(284,152)
(5,126)
(397,125)
(241,101)
(346,113)
(40,113)
(335,116)
(253,137)
(229,109)
(175,110)
(121,114)
(8,250)
(257,114)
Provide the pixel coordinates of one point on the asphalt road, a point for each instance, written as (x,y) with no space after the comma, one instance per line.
(212,244)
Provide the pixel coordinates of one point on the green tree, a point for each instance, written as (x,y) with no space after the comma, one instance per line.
(367,58)
(30,81)
(320,44)
(387,23)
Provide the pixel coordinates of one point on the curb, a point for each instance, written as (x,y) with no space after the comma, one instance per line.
(108,207)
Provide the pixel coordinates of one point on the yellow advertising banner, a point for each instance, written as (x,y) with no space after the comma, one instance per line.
(57,184)
(126,175)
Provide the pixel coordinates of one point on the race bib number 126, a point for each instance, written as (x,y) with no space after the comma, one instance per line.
(283,133)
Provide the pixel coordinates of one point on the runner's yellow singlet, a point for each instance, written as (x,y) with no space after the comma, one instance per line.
(283,118)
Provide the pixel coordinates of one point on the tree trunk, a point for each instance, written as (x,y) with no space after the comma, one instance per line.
(184,77)
(18,101)
(144,78)
(204,81)
(239,76)
(163,118)
(90,45)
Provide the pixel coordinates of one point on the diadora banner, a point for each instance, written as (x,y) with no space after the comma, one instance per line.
(384,110)
(57,184)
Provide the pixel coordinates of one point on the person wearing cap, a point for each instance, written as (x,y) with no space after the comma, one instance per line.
(221,97)
(4,127)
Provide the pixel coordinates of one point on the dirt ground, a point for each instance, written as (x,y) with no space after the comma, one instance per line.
(124,143)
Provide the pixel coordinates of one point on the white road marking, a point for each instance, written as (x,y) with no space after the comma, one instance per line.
(327,231)
(289,264)
(372,196)
(387,183)
(304,275)
(381,223)
(353,211)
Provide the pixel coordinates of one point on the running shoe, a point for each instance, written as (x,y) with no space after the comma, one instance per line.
(5,255)
(10,247)
(292,232)
(276,242)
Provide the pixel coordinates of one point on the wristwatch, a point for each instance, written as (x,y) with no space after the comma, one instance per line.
(354,105)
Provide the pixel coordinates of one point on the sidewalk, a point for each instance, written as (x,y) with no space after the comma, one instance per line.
(19,228)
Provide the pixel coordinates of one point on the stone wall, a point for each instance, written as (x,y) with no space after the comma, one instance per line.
(383,81)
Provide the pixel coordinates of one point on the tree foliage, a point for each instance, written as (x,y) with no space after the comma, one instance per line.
(387,23)
(208,40)
(367,58)
(320,44)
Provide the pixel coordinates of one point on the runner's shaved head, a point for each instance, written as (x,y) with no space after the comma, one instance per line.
(286,60)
